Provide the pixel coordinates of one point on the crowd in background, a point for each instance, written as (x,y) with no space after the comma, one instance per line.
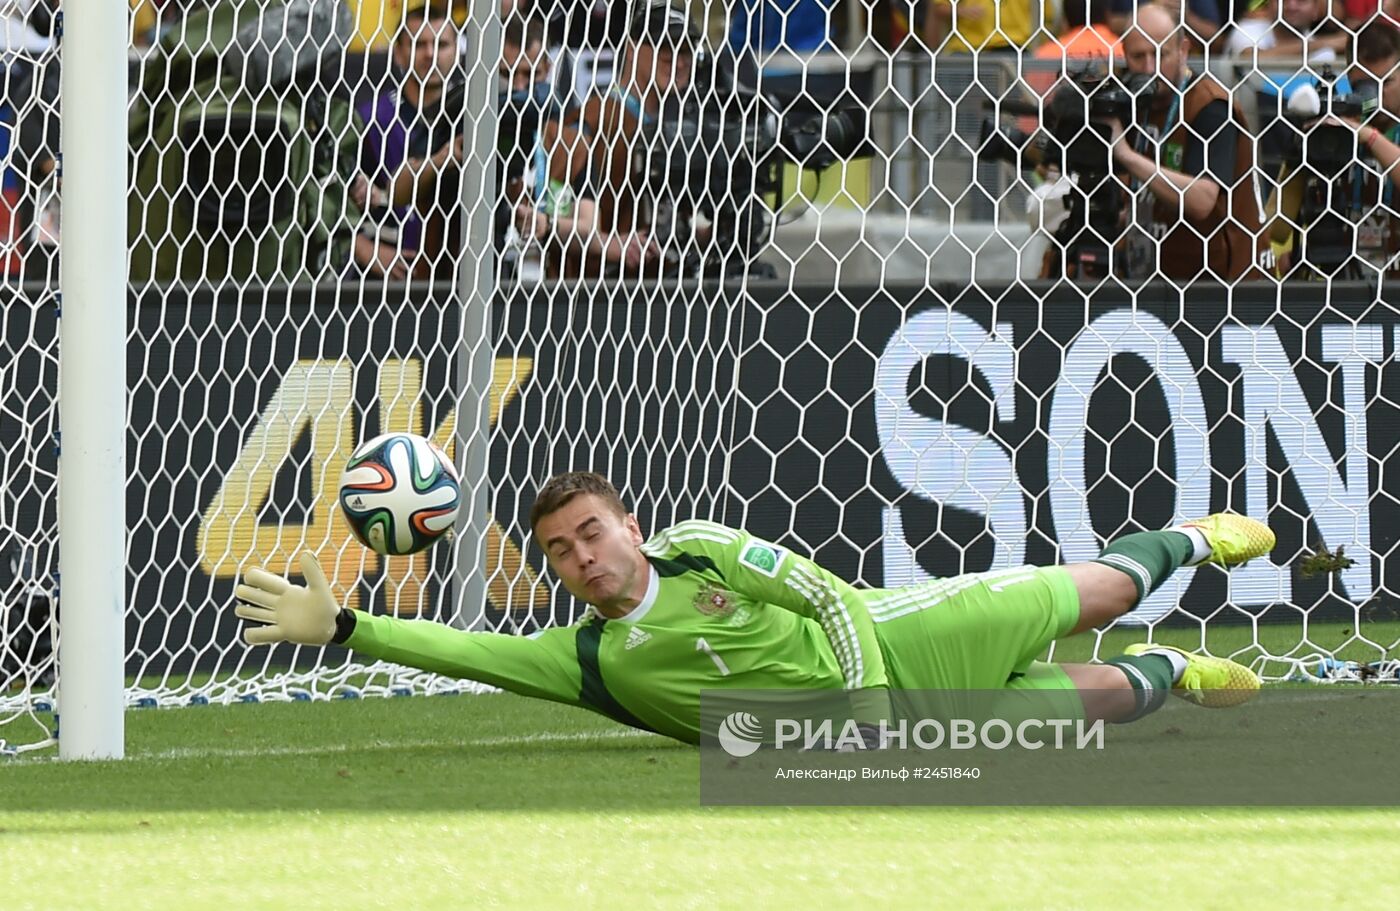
(580,81)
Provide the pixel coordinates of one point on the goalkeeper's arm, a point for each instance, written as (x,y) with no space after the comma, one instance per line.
(544,666)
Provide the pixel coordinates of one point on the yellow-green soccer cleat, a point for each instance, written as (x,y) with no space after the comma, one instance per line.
(1215,683)
(1234,539)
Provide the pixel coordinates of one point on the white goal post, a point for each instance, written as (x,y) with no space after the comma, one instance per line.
(92,400)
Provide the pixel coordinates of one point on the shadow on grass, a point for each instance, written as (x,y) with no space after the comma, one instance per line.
(1310,747)
(610,773)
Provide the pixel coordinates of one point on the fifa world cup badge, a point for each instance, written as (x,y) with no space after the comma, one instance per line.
(1172,155)
(765,558)
(714,602)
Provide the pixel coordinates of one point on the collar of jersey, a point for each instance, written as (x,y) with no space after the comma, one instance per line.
(649,599)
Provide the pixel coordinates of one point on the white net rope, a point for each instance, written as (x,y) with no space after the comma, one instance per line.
(797,265)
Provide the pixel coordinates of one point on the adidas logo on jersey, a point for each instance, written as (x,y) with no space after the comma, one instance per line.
(636,636)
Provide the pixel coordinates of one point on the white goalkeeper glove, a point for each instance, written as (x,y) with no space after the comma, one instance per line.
(304,614)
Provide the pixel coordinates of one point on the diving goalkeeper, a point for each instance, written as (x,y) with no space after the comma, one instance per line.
(702,606)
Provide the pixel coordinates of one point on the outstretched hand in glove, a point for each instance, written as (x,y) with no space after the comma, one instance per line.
(304,614)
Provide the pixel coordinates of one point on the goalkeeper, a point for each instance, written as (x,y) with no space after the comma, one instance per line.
(701,606)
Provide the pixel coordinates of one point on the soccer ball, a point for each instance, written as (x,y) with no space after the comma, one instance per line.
(399,493)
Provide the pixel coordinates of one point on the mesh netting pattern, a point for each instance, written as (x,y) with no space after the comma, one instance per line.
(918,288)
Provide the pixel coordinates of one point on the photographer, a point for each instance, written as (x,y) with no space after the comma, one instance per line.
(590,216)
(1192,162)
(1378,63)
(527,101)
(1334,209)
(406,153)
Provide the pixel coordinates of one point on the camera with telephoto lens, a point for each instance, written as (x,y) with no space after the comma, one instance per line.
(1076,123)
(1324,153)
(716,150)
(1327,148)
(520,117)
(1076,137)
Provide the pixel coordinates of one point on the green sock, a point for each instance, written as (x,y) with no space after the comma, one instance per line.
(1148,557)
(1150,676)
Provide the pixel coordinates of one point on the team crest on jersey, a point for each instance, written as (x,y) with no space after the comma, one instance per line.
(763,557)
(715,602)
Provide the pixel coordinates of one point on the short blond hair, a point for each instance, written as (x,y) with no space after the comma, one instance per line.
(562,488)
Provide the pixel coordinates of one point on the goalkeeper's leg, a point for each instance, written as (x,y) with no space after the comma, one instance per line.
(1132,567)
(989,628)
(1088,691)
(1135,684)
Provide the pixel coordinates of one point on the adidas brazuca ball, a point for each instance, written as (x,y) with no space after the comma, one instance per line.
(399,493)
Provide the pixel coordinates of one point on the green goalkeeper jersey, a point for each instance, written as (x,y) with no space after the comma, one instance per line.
(722,609)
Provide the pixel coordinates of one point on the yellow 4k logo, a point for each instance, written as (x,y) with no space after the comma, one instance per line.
(317,397)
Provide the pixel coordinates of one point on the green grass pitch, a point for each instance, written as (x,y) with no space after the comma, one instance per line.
(498,801)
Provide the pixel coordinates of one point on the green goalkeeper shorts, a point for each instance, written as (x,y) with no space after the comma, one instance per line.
(976,632)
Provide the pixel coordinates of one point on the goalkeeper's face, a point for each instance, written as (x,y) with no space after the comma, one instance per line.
(593,549)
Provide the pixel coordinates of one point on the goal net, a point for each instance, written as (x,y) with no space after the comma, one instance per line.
(863,278)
